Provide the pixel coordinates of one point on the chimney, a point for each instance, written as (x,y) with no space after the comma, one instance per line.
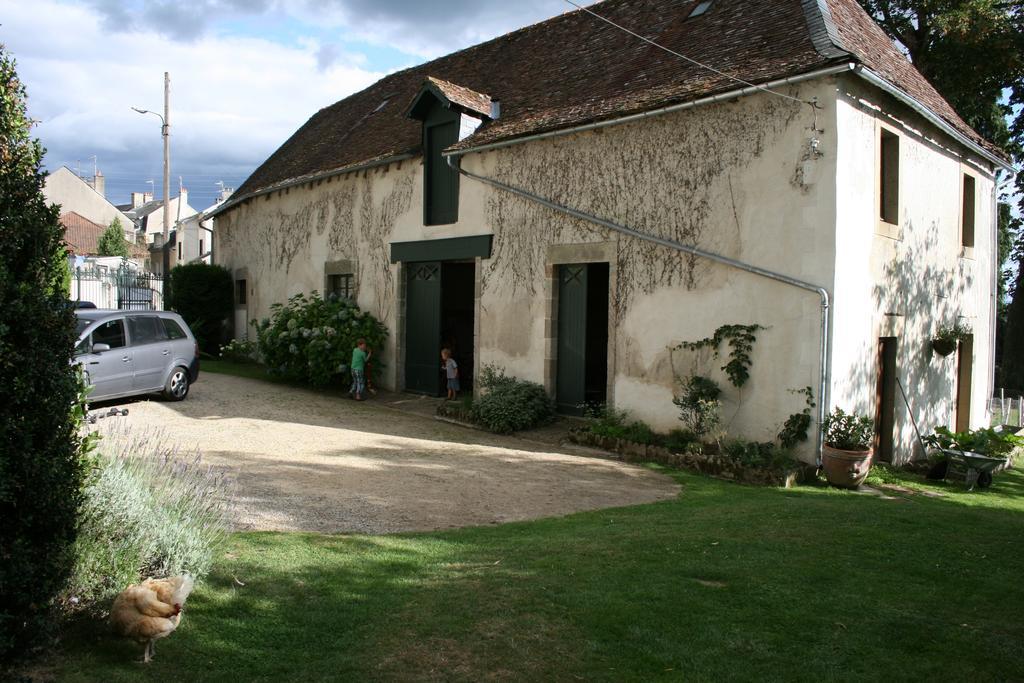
(138,199)
(225,193)
(99,183)
(147,197)
(182,196)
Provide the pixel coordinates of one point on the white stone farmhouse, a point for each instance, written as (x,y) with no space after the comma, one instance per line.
(484,201)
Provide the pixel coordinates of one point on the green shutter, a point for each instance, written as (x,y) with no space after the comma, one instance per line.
(570,377)
(423,328)
(441,181)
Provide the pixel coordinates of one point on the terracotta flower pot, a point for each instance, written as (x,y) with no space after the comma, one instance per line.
(846,469)
(944,347)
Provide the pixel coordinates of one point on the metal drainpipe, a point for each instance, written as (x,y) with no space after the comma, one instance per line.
(823,390)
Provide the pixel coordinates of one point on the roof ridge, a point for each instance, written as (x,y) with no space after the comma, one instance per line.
(823,32)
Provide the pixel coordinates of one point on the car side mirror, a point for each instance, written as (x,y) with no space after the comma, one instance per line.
(100,348)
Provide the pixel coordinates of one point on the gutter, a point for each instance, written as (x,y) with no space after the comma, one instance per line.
(933,118)
(234,201)
(823,385)
(712,99)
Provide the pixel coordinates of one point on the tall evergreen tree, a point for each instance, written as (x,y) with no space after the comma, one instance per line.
(112,241)
(40,466)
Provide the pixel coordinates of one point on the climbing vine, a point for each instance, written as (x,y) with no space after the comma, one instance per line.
(741,340)
(794,429)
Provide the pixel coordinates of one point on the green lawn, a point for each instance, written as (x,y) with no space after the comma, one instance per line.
(726,582)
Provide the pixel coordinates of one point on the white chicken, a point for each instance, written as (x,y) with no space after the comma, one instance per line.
(150,610)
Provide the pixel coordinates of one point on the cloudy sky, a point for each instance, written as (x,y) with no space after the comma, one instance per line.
(244,74)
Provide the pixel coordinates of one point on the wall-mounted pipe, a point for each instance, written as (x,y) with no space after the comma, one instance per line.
(823,384)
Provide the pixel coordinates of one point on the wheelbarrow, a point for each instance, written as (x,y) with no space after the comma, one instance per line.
(976,468)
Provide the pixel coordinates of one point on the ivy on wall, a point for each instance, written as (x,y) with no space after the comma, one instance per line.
(664,176)
(741,340)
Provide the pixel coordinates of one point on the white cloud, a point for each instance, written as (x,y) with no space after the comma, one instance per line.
(233,99)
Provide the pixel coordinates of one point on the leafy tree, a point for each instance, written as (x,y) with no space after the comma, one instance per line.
(41,468)
(112,241)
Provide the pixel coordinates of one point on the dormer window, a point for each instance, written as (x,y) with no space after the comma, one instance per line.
(449,113)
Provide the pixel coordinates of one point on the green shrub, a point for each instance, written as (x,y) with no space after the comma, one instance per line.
(757,454)
(202,294)
(41,471)
(847,431)
(148,511)
(239,351)
(310,339)
(985,441)
(681,440)
(509,404)
(699,407)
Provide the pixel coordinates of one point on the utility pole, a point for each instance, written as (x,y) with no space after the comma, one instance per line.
(165,132)
(167,157)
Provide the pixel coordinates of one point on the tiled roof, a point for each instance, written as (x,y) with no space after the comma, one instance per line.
(82,236)
(462,96)
(575,69)
(860,35)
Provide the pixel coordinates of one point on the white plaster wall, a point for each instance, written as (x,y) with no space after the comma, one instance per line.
(733,178)
(74,194)
(919,273)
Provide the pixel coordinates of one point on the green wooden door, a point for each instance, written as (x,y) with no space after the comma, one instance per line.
(570,377)
(423,328)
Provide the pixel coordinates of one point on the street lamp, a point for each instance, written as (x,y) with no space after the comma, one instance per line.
(165,132)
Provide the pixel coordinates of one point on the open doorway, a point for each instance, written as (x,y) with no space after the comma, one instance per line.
(458,308)
(885,414)
(964,373)
(581,376)
(440,311)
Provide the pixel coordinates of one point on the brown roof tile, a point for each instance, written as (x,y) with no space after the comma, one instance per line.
(574,69)
(462,96)
(82,236)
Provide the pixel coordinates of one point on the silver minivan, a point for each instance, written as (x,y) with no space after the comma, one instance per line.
(125,353)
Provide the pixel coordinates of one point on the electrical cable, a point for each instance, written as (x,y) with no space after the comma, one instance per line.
(811,103)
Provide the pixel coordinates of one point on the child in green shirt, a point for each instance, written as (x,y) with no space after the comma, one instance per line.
(358,366)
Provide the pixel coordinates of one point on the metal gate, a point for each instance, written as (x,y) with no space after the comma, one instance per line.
(124,288)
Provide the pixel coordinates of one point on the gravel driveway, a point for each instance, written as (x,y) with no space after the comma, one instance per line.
(308,462)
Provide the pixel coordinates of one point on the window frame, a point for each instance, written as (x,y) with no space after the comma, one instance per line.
(885,226)
(967,250)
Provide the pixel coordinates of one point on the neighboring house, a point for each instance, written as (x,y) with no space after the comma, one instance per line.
(86,199)
(148,214)
(82,238)
(879,195)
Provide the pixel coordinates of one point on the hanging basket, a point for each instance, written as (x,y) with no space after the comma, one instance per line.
(943,347)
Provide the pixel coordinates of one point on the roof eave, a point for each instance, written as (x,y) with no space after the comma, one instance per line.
(933,118)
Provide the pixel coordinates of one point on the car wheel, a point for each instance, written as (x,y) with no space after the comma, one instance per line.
(176,388)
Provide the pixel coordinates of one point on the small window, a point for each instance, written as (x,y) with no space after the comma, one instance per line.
(145,329)
(700,9)
(341,285)
(110,333)
(201,252)
(889,185)
(173,329)
(179,250)
(967,226)
(241,293)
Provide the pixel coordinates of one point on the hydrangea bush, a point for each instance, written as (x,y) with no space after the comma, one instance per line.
(310,339)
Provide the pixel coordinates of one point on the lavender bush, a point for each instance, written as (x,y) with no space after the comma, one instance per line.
(150,510)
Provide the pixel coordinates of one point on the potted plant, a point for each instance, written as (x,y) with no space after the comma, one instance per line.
(948,336)
(846,454)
